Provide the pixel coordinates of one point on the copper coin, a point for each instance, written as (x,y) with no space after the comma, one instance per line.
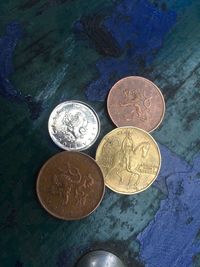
(136,101)
(70,185)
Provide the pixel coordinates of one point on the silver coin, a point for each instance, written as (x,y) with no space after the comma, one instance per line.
(100,258)
(73,125)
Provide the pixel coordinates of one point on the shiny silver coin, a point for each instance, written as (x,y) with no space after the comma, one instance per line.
(73,125)
(100,258)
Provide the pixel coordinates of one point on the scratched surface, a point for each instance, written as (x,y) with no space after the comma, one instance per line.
(56,50)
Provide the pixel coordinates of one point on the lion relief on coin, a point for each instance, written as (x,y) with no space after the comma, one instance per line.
(138,101)
(73,125)
(71,186)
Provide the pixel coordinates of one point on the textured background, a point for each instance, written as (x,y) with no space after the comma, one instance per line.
(56,50)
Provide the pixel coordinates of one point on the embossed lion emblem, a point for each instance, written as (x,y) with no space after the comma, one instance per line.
(139,101)
(74,125)
(70,185)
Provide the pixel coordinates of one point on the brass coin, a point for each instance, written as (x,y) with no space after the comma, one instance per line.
(70,185)
(129,159)
(136,101)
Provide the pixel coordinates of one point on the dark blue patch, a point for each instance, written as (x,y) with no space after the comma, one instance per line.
(10,220)
(91,27)
(8,43)
(66,257)
(29,4)
(63,257)
(139,28)
(19,264)
(7,46)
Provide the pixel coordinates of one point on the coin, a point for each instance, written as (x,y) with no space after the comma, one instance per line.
(136,101)
(73,126)
(70,185)
(129,159)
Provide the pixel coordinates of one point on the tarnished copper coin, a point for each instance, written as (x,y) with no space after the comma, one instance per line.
(136,101)
(70,185)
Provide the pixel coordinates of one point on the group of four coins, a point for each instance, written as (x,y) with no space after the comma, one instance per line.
(70,185)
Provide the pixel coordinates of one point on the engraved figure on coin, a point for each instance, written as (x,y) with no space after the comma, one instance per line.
(127,160)
(81,192)
(69,182)
(74,125)
(109,146)
(139,101)
(61,189)
(63,182)
(137,155)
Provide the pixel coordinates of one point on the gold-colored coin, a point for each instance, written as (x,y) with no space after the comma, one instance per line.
(129,159)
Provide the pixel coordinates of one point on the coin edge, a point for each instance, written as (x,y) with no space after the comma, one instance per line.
(158,89)
(37,187)
(64,147)
(159,153)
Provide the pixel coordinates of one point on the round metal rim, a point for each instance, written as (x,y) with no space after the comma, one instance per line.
(96,251)
(160,158)
(163,100)
(62,146)
(44,206)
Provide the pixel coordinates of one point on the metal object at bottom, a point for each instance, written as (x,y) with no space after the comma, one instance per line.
(100,258)
(74,126)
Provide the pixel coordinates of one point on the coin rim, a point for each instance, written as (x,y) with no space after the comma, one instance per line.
(74,149)
(97,251)
(147,80)
(160,159)
(39,177)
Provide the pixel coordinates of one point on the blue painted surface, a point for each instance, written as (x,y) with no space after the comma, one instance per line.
(8,43)
(139,27)
(169,240)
